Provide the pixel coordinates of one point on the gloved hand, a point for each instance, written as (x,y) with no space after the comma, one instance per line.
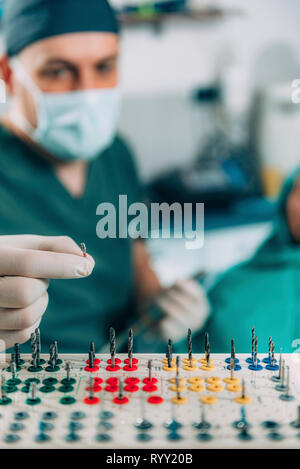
(186,306)
(26,264)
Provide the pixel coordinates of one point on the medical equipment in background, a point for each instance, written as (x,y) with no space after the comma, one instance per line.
(225,169)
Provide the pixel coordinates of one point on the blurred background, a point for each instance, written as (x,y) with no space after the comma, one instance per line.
(207,110)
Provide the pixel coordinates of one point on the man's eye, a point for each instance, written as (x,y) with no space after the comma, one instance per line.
(105,67)
(55,73)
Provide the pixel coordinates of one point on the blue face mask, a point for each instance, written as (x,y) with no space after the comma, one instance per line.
(77,125)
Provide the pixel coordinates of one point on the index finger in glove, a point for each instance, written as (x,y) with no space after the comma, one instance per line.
(43,264)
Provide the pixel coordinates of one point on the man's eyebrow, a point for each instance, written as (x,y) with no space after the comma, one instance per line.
(69,64)
(57,61)
(108,58)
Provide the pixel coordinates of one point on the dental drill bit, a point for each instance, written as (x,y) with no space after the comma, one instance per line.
(277,378)
(92,349)
(287,396)
(270,349)
(190,352)
(39,345)
(83,249)
(112,341)
(281,385)
(206,344)
(170,353)
(150,370)
(130,347)
(232,350)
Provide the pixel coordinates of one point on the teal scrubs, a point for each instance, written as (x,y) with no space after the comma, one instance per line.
(33,201)
(263,292)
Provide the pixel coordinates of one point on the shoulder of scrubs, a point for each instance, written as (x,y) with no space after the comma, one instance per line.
(280,244)
(262,292)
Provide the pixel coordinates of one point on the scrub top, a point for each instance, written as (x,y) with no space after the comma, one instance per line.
(33,201)
(263,292)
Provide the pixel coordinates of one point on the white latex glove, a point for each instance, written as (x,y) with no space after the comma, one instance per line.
(26,264)
(186,306)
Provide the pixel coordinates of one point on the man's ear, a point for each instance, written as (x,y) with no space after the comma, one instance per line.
(6,73)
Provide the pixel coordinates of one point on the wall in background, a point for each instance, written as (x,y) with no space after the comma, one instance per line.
(259,47)
(186,54)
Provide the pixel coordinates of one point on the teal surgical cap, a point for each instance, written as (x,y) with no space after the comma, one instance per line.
(29,21)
